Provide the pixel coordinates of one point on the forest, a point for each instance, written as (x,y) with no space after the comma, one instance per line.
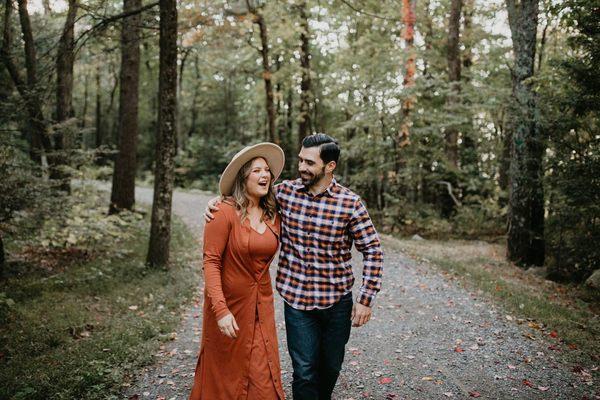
(459,120)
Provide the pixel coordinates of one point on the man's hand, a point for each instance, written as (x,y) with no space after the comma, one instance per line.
(210,208)
(228,326)
(360,315)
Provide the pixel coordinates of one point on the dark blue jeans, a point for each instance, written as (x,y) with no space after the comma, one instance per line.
(316,341)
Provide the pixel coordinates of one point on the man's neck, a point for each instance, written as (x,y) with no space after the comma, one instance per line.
(321,186)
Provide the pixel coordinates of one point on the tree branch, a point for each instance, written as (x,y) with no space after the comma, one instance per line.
(103,24)
(449,187)
(367,13)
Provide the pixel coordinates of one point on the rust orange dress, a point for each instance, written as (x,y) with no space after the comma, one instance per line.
(237,281)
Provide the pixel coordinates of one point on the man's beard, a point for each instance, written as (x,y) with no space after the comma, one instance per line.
(313,178)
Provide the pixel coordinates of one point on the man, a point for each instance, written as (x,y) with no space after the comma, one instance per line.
(321,220)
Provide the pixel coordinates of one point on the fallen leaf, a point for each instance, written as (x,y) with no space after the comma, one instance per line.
(133,308)
(385,380)
(427,378)
(553,334)
(511,367)
(448,394)
(458,349)
(527,382)
(543,388)
(474,394)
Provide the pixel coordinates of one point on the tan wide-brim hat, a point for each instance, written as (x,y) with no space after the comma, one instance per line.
(272,153)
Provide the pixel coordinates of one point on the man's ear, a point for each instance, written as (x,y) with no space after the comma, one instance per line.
(330,167)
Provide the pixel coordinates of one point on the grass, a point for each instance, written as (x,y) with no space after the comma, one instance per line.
(79,333)
(566,315)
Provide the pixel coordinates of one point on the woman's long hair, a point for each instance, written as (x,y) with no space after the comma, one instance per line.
(240,199)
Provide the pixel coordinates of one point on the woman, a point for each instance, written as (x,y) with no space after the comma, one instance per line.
(239,356)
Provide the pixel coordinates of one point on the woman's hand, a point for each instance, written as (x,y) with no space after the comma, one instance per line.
(228,326)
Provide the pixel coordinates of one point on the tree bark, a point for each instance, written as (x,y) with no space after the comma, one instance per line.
(2,257)
(123,185)
(454,62)
(160,232)
(526,198)
(409,19)
(468,154)
(99,128)
(304,122)
(64,69)
(65,58)
(40,142)
(86,90)
(267,75)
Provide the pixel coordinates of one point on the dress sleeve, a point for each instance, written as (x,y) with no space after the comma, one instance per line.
(216,235)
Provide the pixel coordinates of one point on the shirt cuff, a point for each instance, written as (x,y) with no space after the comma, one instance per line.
(366,299)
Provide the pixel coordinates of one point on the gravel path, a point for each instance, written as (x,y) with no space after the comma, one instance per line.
(428,339)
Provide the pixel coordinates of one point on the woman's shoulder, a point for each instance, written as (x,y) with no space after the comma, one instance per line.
(228,206)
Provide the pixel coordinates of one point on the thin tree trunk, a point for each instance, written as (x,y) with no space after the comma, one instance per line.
(40,142)
(64,70)
(267,75)
(194,110)
(2,257)
(454,61)
(526,199)
(84,111)
(123,184)
(99,130)
(47,9)
(468,155)
(65,58)
(160,231)
(304,122)
(181,136)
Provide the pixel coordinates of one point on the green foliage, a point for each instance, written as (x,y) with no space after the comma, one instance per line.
(571,116)
(74,334)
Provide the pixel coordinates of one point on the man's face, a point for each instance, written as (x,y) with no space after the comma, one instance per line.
(310,166)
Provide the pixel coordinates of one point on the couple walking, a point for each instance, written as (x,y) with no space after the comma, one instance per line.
(316,221)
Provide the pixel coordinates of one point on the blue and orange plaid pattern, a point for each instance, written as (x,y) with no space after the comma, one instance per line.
(316,242)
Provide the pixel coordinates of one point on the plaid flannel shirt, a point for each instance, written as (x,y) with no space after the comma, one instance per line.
(316,242)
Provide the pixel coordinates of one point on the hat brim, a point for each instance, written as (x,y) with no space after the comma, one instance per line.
(272,153)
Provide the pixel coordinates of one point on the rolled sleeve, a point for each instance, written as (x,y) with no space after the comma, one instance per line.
(367,241)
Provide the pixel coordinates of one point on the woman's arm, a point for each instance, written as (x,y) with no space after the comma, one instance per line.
(216,235)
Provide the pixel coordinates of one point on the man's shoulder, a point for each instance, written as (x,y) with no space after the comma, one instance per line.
(345,193)
(287,185)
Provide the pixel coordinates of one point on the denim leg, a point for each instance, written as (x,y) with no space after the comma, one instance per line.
(303,340)
(336,326)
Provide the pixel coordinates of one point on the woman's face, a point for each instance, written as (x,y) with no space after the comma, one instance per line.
(259,178)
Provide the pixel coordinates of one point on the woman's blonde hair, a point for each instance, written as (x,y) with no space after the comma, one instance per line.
(240,199)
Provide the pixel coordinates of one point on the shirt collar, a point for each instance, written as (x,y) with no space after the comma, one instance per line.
(331,190)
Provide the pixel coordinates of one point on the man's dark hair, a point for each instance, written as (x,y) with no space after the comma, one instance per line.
(329,149)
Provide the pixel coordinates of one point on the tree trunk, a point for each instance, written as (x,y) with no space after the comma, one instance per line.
(160,232)
(264,50)
(526,199)
(409,19)
(123,185)
(2,257)
(84,111)
(468,155)
(99,130)
(40,142)
(64,70)
(304,122)
(454,61)
(65,58)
